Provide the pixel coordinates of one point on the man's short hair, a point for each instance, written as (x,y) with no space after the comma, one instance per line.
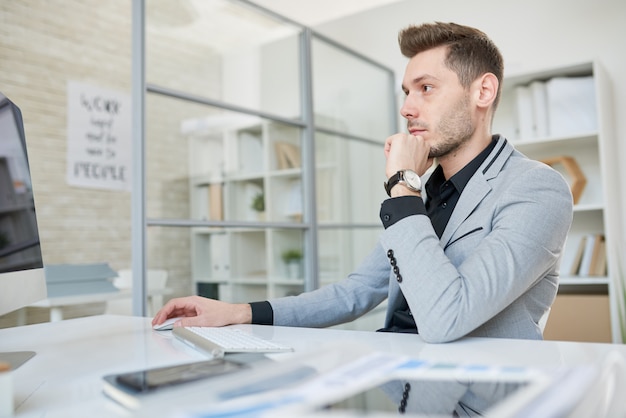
(470,52)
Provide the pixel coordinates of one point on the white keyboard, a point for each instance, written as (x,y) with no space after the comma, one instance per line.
(227,340)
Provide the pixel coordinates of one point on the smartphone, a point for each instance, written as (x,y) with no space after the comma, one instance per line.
(144,381)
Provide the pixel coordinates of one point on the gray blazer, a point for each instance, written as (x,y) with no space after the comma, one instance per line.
(493,273)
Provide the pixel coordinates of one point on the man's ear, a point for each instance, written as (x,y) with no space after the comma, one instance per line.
(485,89)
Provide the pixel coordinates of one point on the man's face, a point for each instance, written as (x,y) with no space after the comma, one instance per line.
(437,107)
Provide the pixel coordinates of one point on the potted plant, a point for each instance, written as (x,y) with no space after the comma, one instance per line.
(258,205)
(292,259)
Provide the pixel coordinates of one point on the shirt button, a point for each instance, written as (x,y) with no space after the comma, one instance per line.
(389,253)
(386,218)
(399,278)
(444,204)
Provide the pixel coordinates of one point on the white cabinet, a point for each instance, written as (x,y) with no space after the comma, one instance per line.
(562,113)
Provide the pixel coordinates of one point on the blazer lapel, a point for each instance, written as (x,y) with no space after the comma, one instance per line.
(477,188)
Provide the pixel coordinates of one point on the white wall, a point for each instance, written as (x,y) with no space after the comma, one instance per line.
(532,35)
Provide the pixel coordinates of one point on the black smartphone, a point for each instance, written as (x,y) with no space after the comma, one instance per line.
(144,381)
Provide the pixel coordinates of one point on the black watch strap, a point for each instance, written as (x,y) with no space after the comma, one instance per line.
(393,180)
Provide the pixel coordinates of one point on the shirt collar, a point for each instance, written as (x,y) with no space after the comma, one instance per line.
(460,179)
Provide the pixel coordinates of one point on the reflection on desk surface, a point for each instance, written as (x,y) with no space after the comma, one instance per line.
(440,398)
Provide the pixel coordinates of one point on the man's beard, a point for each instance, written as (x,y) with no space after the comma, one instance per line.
(454,129)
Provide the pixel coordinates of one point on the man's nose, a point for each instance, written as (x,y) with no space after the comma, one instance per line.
(408,109)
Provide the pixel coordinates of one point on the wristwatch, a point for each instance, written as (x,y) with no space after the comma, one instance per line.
(407,178)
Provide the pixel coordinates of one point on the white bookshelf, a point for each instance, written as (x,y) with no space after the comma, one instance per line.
(241,159)
(595,151)
(245,262)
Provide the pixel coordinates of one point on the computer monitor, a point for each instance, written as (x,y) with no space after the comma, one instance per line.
(22,279)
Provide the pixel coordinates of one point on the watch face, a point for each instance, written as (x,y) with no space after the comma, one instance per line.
(412,179)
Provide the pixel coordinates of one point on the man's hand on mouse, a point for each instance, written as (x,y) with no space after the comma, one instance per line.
(203,312)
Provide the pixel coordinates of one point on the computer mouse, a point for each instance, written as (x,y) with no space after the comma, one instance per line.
(167,325)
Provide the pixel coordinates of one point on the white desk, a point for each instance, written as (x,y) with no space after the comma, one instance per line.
(64,379)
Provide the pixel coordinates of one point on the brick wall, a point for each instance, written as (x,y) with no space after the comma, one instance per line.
(45,44)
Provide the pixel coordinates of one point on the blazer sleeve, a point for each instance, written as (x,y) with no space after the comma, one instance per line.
(338,302)
(511,240)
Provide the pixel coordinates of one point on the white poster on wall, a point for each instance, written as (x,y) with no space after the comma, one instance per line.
(98,137)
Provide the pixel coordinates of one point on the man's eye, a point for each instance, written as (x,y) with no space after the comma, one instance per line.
(427,88)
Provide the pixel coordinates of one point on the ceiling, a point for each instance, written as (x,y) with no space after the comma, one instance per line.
(314,12)
(198,21)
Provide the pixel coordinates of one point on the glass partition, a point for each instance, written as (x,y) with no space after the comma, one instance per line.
(349,179)
(224,51)
(351,94)
(343,249)
(210,164)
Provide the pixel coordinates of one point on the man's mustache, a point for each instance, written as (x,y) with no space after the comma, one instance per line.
(416,125)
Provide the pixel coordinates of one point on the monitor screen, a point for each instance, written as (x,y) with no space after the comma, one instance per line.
(22,279)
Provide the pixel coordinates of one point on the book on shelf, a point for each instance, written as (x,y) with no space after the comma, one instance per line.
(578,256)
(216,204)
(598,257)
(585,263)
(287,155)
(590,256)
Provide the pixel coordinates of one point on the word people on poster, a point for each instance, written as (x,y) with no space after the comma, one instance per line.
(98,137)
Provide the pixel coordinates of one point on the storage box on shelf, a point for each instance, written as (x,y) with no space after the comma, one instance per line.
(565,113)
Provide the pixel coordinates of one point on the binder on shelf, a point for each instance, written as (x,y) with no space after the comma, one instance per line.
(287,155)
(539,94)
(220,256)
(524,112)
